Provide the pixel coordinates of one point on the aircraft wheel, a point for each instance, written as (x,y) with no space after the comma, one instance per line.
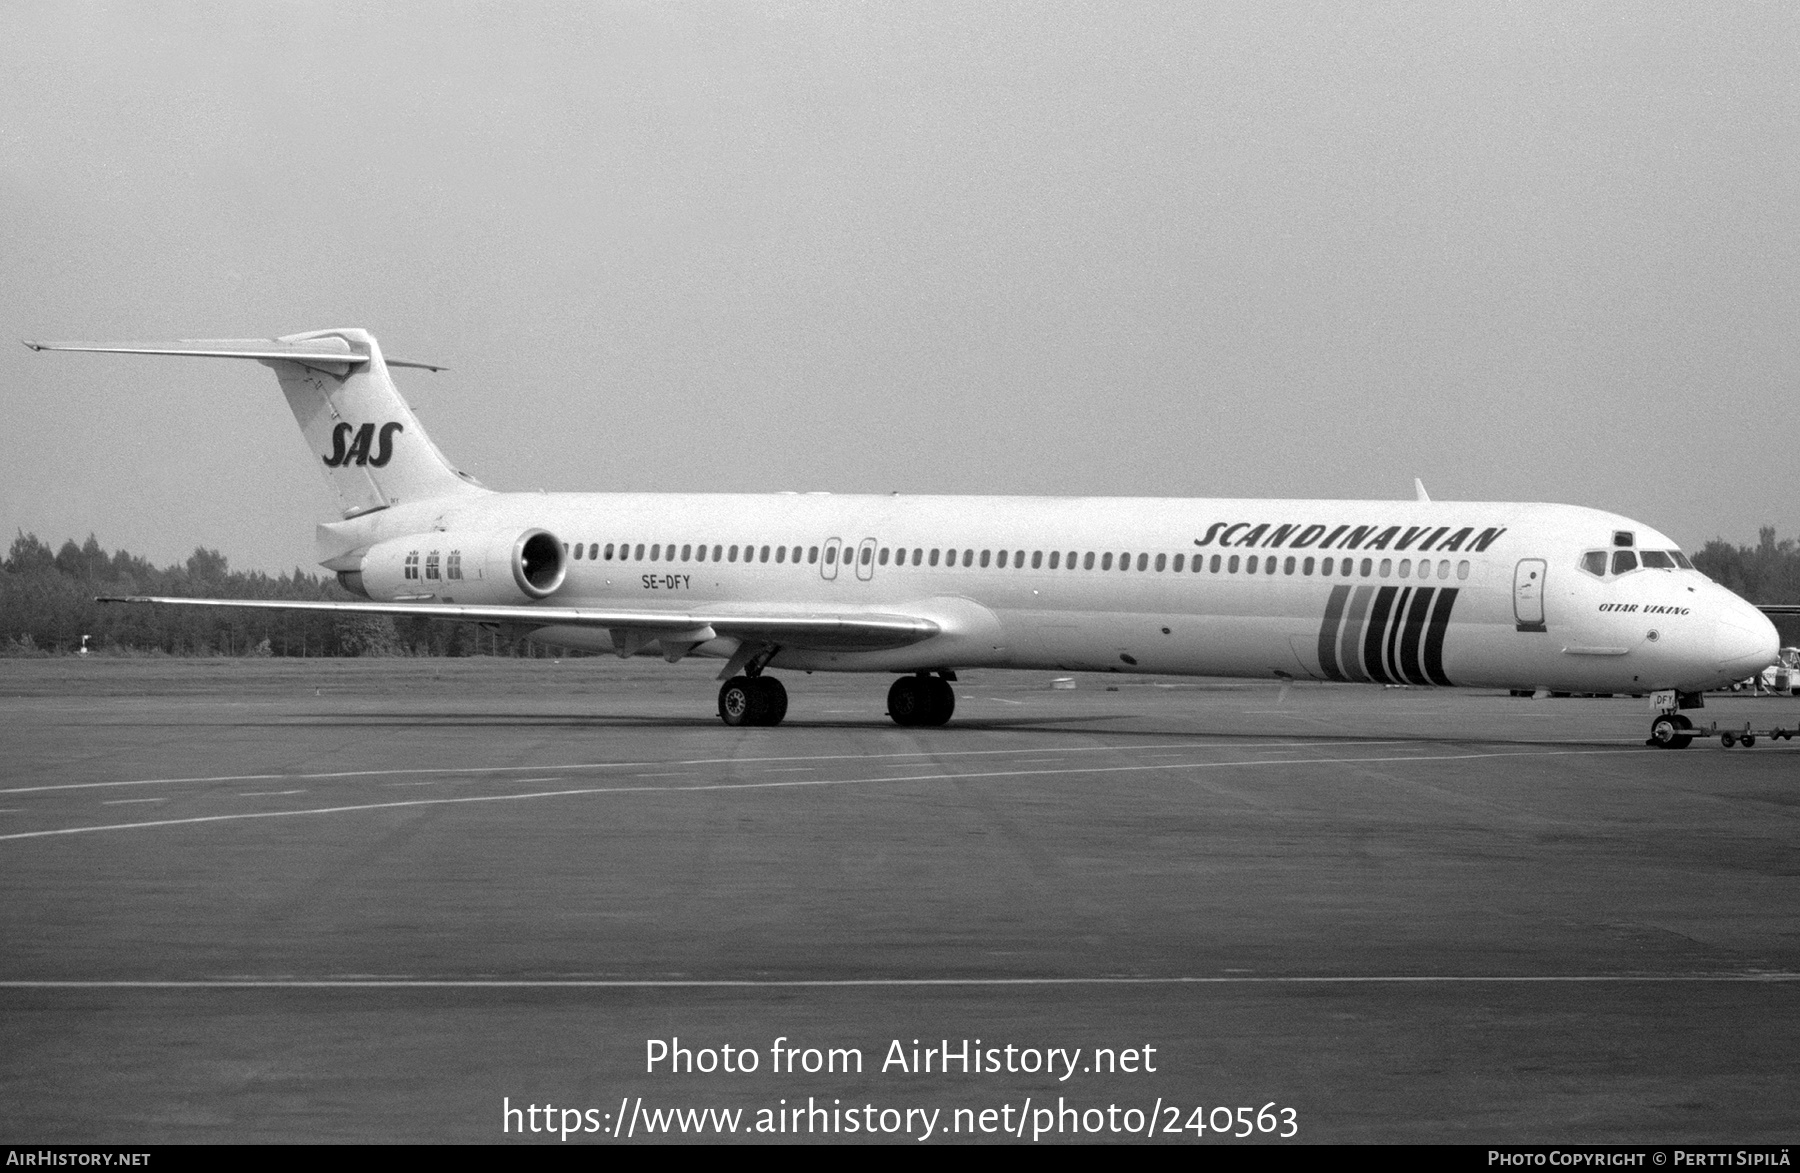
(1666,733)
(942,700)
(769,701)
(907,703)
(736,702)
(1727,740)
(1749,739)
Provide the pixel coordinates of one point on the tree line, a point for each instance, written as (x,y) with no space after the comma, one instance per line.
(47,605)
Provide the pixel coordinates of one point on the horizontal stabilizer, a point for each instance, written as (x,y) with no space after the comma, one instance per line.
(1779,608)
(844,630)
(329,354)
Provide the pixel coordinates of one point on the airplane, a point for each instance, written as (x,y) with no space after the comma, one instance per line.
(1492,595)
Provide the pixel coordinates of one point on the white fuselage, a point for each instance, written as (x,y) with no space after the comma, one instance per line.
(1484,594)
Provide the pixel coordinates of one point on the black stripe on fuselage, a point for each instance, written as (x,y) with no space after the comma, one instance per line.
(1328,632)
(1396,620)
(1434,637)
(1374,645)
(1410,668)
(1350,643)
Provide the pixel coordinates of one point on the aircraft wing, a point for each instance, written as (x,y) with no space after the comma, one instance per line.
(847,630)
(1779,608)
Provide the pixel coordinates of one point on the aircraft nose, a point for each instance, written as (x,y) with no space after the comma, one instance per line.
(1744,641)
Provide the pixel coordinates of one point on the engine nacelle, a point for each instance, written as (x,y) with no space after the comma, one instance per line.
(499,567)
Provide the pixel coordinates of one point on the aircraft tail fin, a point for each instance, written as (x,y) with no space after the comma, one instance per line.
(372,448)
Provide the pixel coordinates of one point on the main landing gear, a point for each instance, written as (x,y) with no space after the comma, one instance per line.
(921,700)
(752,700)
(924,699)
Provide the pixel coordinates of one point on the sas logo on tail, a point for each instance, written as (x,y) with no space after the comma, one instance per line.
(346,451)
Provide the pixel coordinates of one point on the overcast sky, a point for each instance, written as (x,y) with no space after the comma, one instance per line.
(1526,252)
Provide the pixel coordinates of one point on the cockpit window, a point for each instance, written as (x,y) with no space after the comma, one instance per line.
(1681,559)
(1594,562)
(1656,560)
(1624,562)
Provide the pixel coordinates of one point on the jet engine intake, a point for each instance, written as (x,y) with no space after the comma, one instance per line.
(504,567)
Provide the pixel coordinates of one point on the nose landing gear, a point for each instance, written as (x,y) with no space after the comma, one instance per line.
(1671,731)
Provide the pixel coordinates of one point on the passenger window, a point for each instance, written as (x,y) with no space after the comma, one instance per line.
(918,556)
(716,552)
(1180,561)
(1462,570)
(1018,559)
(1161,561)
(1594,562)
(1071,559)
(1001,561)
(578,549)
(1143,561)
(1624,562)
(1250,564)
(881,558)
(1368,567)
(831,555)
(764,557)
(987,557)
(655,550)
(638,554)
(1087,560)
(781,553)
(1055,560)
(934,556)
(609,551)
(1125,561)
(1269,564)
(868,554)
(812,555)
(1387,567)
(593,551)
(1288,566)
(1406,568)
(1326,566)
(1656,560)
(1232,566)
(1105,561)
(1444,568)
(1215,564)
(733,557)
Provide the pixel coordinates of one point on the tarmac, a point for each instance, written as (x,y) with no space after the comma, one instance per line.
(389,900)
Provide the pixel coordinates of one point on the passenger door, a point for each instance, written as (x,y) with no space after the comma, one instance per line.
(828,565)
(865,559)
(1528,594)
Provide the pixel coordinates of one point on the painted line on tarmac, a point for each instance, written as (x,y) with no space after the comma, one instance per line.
(901,983)
(1222,743)
(812,782)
